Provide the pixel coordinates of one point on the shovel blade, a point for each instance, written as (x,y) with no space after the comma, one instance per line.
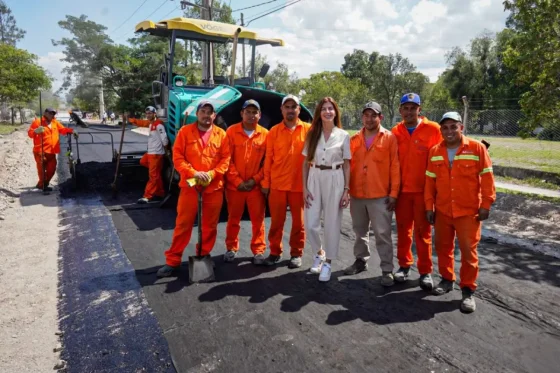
(201,269)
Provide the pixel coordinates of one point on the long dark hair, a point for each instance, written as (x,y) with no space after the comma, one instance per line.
(314,134)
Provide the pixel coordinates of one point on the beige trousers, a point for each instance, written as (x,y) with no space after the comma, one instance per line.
(374,211)
(326,187)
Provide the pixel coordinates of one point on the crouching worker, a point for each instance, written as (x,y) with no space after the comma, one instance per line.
(201,151)
(460,185)
(154,158)
(247,141)
(47,129)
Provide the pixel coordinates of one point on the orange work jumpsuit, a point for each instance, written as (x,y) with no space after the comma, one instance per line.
(410,212)
(190,155)
(457,193)
(51,145)
(247,162)
(154,158)
(283,175)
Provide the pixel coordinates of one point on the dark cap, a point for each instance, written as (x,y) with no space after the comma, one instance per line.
(251,103)
(50,110)
(373,106)
(205,103)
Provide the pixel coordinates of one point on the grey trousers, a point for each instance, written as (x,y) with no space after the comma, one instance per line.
(374,211)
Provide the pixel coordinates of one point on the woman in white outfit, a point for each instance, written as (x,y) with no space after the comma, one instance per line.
(326,180)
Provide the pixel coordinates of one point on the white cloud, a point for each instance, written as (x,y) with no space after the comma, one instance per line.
(53,63)
(318,33)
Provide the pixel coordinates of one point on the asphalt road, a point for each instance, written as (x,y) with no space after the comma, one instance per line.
(256,319)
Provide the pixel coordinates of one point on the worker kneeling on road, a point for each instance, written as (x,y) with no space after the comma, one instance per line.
(247,142)
(154,158)
(48,129)
(283,181)
(460,184)
(201,151)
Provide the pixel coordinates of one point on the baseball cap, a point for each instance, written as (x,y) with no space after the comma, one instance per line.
(373,106)
(251,103)
(451,115)
(150,109)
(290,97)
(50,110)
(205,103)
(410,97)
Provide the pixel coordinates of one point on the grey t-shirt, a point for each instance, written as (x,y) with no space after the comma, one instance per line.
(249,132)
(451,155)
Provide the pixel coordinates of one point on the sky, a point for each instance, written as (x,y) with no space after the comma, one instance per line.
(318,33)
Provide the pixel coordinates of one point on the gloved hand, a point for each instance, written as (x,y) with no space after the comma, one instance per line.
(39,130)
(193,181)
(75,134)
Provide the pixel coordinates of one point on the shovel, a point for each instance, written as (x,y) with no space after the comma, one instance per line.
(168,196)
(201,268)
(43,165)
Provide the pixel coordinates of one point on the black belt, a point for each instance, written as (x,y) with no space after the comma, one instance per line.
(321,167)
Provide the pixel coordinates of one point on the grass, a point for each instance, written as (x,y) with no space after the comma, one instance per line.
(7,128)
(532,181)
(554,200)
(517,152)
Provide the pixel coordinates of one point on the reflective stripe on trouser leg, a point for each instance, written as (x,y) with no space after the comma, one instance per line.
(381,226)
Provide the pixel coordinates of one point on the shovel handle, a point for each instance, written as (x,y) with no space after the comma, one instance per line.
(199,192)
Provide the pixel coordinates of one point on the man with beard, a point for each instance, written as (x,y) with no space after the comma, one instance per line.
(460,187)
(283,181)
(374,187)
(201,151)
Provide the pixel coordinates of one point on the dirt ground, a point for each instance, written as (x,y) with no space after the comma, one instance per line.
(28,269)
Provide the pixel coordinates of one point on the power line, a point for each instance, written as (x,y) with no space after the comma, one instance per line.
(273,11)
(254,6)
(158,8)
(137,9)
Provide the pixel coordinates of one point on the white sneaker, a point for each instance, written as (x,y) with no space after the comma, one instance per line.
(325,275)
(317,264)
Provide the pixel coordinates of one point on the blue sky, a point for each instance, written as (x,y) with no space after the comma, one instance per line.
(318,33)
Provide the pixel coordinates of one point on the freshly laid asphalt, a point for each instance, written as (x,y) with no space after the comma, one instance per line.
(258,319)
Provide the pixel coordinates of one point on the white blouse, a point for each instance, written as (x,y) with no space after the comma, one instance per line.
(334,151)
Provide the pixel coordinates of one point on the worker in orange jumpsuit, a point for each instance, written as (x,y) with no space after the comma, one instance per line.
(47,128)
(247,141)
(201,151)
(283,181)
(416,135)
(154,157)
(460,185)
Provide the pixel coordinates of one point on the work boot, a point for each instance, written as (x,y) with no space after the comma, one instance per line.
(402,274)
(468,304)
(229,256)
(426,282)
(166,271)
(444,286)
(258,259)
(295,262)
(272,260)
(388,279)
(143,201)
(358,266)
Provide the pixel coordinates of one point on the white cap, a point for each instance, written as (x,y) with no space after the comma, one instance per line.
(451,115)
(290,97)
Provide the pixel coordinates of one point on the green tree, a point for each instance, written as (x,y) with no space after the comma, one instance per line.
(387,78)
(533,52)
(20,75)
(9,32)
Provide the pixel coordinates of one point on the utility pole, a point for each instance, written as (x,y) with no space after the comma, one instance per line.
(243,50)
